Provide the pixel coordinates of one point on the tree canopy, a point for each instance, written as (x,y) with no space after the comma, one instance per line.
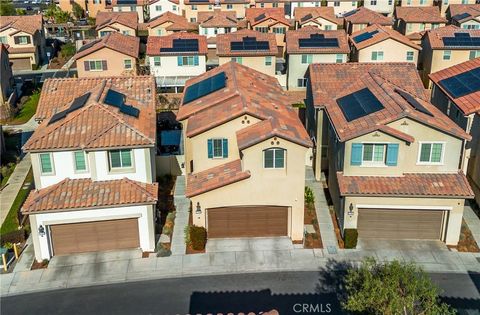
(6,8)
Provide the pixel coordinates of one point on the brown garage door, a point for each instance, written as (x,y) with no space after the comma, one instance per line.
(21,64)
(399,224)
(94,236)
(247,221)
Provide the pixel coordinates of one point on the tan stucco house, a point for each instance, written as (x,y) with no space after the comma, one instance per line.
(461,104)
(321,17)
(342,6)
(242,138)
(414,21)
(169,23)
(416,3)
(191,8)
(358,19)
(112,55)
(382,44)
(125,23)
(389,173)
(466,16)
(212,23)
(91,7)
(445,4)
(25,38)
(139,6)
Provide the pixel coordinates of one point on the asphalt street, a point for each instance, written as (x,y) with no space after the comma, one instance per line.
(287,292)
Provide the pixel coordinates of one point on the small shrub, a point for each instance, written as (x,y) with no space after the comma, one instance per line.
(8,245)
(309,196)
(351,238)
(170,216)
(17,236)
(167,228)
(164,252)
(314,221)
(197,237)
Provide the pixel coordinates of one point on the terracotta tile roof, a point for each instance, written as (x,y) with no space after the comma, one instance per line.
(25,23)
(83,194)
(224,40)
(333,81)
(273,16)
(217,18)
(247,92)
(206,2)
(383,33)
(125,44)
(416,35)
(363,15)
(435,37)
(155,43)
(129,19)
(172,1)
(177,22)
(216,177)
(410,184)
(456,11)
(469,103)
(327,13)
(21,50)
(95,125)
(419,14)
(293,37)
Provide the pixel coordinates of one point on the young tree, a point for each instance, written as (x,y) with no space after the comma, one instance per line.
(6,8)
(392,288)
(77,10)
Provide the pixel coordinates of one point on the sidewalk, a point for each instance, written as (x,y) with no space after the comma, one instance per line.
(473,222)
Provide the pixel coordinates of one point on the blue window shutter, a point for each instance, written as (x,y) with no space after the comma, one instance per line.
(180,60)
(356,158)
(210,148)
(225,148)
(392,154)
(195,60)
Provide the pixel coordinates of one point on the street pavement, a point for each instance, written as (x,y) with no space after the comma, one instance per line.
(283,291)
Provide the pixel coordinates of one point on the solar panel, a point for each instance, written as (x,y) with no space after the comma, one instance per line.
(359,104)
(461,40)
(362,37)
(413,102)
(318,41)
(463,84)
(57,117)
(78,102)
(204,87)
(114,98)
(461,16)
(260,17)
(182,44)
(88,45)
(250,43)
(199,1)
(306,17)
(350,13)
(126,1)
(130,110)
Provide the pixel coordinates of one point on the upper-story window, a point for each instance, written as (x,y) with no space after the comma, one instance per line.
(275,5)
(22,40)
(46,163)
(474,54)
(194,7)
(174,7)
(373,2)
(261,29)
(409,2)
(187,61)
(120,158)
(97,1)
(3,39)
(464,1)
(127,63)
(445,2)
(431,153)
(229,6)
(126,32)
(95,65)
(104,33)
(422,2)
(390,2)
(377,55)
(410,55)
(278,30)
(447,54)
(336,3)
(80,161)
(156,61)
(374,154)
(307,59)
(274,158)
(217,148)
(435,25)
(328,27)
(262,5)
(268,60)
(237,59)
(339,58)
(158,8)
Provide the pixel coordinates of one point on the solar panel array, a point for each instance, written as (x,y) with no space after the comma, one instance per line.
(359,104)
(77,103)
(306,17)
(317,41)
(260,17)
(205,87)
(129,110)
(116,99)
(462,84)
(250,43)
(350,13)
(461,16)
(461,40)
(196,1)
(413,102)
(182,44)
(126,1)
(86,46)
(362,37)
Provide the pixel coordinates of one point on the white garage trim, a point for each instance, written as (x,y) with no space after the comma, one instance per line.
(92,219)
(441,208)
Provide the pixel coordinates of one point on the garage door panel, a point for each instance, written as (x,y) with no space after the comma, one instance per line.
(399,224)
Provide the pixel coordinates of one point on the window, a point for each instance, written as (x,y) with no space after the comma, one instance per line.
(409,2)
(126,32)
(279,30)
(229,6)
(422,26)
(422,2)
(317,4)
(336,3)
(104,33)
(217,148)
(409,27)
(174,7)
(373,154)
(268,60)
(120,158)
(194,7)
(302,82)
(237,59)
(354,3)
(262,5)
(96,65)
(160,32)
(193,20)
(80,161)
(158,8)
(409,55)
(447,54)
(445,2)
(377,55)
(307,59)
(133,8)
(373,2)
(464,1)
(187,61)
(471,27)
(97,1)
(274,158)
(46,165)
(328,27)
(390,2)
(339,58)
(3,39)
(430,152)
(156,61)
(22,40)
(262,29)
(275,5)
(127,63)
(435,25)
(474,54)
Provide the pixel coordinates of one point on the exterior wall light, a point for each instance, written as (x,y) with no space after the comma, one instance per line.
(41,230)
(350,210)
(199,209)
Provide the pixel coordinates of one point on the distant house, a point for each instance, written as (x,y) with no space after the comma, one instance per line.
(139,6)
(125,23)
(414,21)
(6,83)
(273,4)
(91,8)
(445,4)
(384,7)
(193,7)
(466,16)
(320,17)
(417,3)
(112,55)
(342,6)
(294,5)
(382,44)
(175,58)
(25,38)
(212,23)
(169,23)
(362,17)
(303,49)
(159,7)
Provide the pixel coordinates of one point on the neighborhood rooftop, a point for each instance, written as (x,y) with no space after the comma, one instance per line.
(176,22)
(129,19)
(364,15)
(464,12)
(246,42)
(181,43)
(453,37)
(23,23)
(305,15)
(426,14)
(375,34)
(128,45)
(310,39)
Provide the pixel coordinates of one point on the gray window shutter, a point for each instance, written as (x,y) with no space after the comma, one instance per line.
(225,148)
(86,65)
(29,40)
(104,65)
(210,148)
(16,39)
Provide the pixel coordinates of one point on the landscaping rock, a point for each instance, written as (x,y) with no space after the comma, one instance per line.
(164,239)
(309,229)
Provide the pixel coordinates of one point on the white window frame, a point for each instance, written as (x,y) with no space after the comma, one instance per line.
(155,58)
(3,39)
(309,58)
(420,143)
(125,64)
(121,168)
(95,63)
(75,163)
(238,60)
(274,151)
(374,163)
(22,37)
(448,55)
(339,58)
(304,82)
(377,54)
(229,6)
(51,162)
(221,148)
(158,8)
(412,53)
(268,61)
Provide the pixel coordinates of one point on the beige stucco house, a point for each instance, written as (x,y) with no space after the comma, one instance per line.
(382,44)
(191,8)
(270,3)
(25,38)
(321,17)
(358,19)
(139,6)
(342,6)
(111,55)
(445,4)
(389,173)
(417,3)
(242,138)
(125,23)
(169,23)
(414,21)
(91,7)
(466,16)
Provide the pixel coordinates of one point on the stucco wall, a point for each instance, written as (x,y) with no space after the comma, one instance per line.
(166,5)
(93,8)
(433,60)
(127,8)
(416,3)
(116,27)
(115,64)
(443,7)
(393,51)
(321,24)
(169,67)
(256,63)
(381,7)
(345,6)
(239,9)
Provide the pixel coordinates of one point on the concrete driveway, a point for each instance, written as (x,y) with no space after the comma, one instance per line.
(405,245)
(248,244)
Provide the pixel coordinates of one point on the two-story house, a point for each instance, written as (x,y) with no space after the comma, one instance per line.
(382,44)
(445,4)
(91,7)
(25,38)
(243,138)
(448,46)
(175,58)
(248,47)
(216,22)
(456,92)
(321,17)
(6,83)
(310,45)
(358,19)
(414,21)
(192,7)
(169,23)
(93,162)
(342,6)
(159,7)
(466,16)
(111,55)
(389,173)
(384,7)
(125,23)
(272,4)
(139,6)
(416,3)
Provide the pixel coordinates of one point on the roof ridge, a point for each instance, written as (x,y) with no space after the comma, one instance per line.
(137,184)
(42,193)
